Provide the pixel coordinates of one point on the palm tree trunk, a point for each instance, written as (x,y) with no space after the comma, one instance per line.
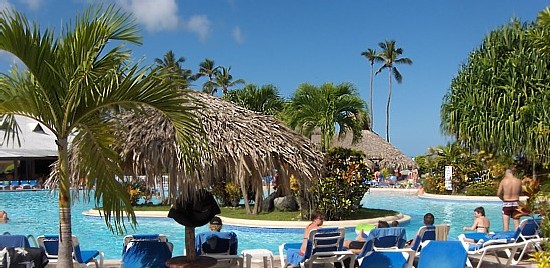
(371,101)
(65,233)
(190,244)
(388,107)
(245,198)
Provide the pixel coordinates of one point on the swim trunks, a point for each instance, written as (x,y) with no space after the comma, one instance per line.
(356,244)
(509,208)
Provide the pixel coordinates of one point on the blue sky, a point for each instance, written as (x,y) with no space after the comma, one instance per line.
(289,42)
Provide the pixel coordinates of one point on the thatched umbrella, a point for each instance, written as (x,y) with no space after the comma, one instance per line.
(377,150)
(239,145)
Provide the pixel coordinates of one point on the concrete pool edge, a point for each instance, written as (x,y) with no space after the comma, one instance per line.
(401,218)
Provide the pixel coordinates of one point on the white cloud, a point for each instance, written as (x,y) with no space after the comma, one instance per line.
(155,15)
(237,35)
(32,4)
(200,25)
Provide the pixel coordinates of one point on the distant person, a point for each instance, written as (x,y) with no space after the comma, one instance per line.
(356,245)
(4,216)
(215,224)
(509,191)
(394,224)
(481,223)
(429,220)
(294,255)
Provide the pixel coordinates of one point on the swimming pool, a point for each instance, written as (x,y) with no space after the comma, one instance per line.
(36,213)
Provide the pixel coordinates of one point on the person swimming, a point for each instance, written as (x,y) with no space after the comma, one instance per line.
(4,216)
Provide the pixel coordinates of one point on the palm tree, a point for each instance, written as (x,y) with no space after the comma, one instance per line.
(209,69)
(324,108)
(265,99)
(223,80)
(70,85)
(174,69)
(371,55)
(390,55)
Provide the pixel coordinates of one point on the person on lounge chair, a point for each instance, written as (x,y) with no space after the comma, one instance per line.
(356,245)
(481,223)
(429,220)
(215,224)
(317,220)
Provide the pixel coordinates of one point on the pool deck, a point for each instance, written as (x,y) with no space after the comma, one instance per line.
(489,262)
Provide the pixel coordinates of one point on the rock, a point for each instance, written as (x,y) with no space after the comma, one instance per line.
(287,203)
(268,204)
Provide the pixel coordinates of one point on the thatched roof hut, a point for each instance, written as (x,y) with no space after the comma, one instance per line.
(240,146)
(377,150)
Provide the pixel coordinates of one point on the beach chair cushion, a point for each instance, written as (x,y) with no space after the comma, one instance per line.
(393,237)
(14,241)
(382,259)
(146,253)
(449,254)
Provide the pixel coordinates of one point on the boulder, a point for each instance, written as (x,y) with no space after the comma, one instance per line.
(286,203)
(268,204)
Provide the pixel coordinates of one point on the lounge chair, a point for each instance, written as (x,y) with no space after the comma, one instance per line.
(429,233)
(448,254)
(325,245)
(21,252)
(222,246)
(50,244)
(146,250)
(510,242)
(384,248)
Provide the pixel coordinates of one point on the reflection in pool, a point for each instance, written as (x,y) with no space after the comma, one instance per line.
(36,213)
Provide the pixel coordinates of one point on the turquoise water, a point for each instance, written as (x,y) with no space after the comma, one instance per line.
(36,213)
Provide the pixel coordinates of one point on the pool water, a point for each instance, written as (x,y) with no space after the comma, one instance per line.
(36,213)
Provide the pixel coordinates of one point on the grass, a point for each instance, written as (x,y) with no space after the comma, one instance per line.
(240,213)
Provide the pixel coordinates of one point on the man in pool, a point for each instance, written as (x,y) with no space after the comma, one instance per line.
(509,191)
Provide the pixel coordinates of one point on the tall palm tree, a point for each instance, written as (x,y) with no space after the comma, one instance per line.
(209,69)
(265,99)
(173,67)
(390,55)
(324,108)
(371,55)
(70,85)
(223,80)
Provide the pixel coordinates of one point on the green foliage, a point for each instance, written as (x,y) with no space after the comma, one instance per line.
(233,193)
(498,100)
(265,99)
(136,189)
(323,108)
(338,194)
(434,184)
(482,188)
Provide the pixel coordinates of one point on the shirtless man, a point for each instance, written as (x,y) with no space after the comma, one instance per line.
(294,255)
(509,190)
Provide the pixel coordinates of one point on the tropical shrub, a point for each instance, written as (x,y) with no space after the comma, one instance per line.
(339,193)
(434,184)
(137,189)
(482,188)
(234,193)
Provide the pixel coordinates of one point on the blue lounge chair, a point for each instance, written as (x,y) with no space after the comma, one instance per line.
(448,254)
(510,242)
(50,244)
(325,245)
(222,246)
(429,233)
(22,252)
(384,247)
(146,251)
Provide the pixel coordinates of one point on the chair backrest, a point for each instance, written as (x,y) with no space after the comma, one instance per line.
(442,231)
(449,254)
(15,241)
(50,244)
(393,237)
(424,233)
(216,243)
(146,250)
(325,239)
(527,229)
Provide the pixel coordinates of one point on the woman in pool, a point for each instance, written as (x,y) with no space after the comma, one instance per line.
(4,216)
(481,223)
